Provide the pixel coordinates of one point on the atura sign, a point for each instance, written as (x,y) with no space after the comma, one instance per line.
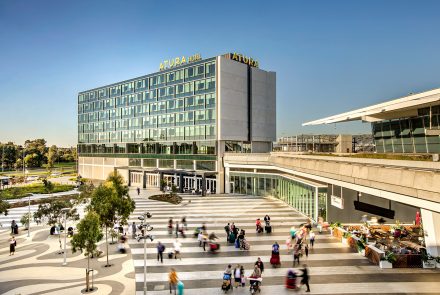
(336,201)
(178,61)
(244,59)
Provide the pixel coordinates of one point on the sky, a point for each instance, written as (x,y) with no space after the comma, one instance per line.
(329,56)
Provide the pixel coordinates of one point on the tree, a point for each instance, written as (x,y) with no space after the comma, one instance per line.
(112,202)
(25,219)
(87,236)
(52,156)
(53,211)
(37,148)
(48,186)
(4,206)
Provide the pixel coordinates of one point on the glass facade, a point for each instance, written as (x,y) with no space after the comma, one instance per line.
(407,135)
(169,112)
(298,195)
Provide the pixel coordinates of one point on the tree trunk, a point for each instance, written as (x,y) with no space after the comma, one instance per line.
(106,245)
(87,273)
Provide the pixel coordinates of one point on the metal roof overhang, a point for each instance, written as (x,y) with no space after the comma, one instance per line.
(398,108)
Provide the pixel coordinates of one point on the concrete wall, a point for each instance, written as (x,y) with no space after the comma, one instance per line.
(99,168)
(344,144)
(263,105)
(232,100)
(404,213)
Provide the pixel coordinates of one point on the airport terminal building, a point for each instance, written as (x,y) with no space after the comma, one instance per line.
(174,125)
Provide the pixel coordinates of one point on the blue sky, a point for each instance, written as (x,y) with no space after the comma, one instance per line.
(330,56)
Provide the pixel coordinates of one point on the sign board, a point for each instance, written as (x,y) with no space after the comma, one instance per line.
(243,59)
(178,61)
(336,201)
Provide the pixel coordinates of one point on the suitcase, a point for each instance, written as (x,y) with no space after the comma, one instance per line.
(268,229)
(170,255)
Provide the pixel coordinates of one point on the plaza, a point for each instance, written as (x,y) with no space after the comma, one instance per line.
(334,268)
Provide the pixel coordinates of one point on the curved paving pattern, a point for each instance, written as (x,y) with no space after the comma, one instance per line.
(36,268)
(334,268)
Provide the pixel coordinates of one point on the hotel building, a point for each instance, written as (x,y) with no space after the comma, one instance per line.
(174,125)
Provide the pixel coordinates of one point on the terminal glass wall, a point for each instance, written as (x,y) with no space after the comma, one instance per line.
(408,135)
(298,195)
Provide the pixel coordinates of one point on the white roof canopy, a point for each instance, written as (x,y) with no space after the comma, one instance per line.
(398,108)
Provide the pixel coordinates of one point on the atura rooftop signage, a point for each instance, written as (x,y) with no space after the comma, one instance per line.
(178,61)
(243,59)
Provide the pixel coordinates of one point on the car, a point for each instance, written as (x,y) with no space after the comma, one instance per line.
(31,178)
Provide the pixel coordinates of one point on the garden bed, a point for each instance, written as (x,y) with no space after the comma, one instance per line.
(23,191)
(43,201)
(169,198)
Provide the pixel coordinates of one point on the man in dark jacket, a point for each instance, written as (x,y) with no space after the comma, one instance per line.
(305,277)
(260,264)
(160,250)
(227,230)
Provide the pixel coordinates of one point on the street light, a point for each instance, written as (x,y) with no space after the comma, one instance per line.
(29,215)
(145,227)
(65,210)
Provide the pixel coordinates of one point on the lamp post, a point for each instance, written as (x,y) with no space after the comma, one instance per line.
(65,210)
(29,215)
(146,227)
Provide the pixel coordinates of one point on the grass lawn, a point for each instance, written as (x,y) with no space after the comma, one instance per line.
(23,191)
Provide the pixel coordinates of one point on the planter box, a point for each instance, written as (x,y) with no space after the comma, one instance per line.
(385,264)
(344,241)
(429,263)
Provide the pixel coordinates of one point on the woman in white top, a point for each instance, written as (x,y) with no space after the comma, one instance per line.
(177,246)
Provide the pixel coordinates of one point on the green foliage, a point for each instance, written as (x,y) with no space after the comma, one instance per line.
(426,256)
(360,246)
(53,211)
(48,186)
(390,257)
(88,234)
(39,188)
(4,206)
(346,235)
(111,201)
(25,218)
(335,224)
(52,156)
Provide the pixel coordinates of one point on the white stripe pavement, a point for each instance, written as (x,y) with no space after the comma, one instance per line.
(331,288)
(242,259)
(281,272)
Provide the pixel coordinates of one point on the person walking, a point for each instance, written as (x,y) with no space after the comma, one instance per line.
(296,253)
(227,230)
(237,276)
(12,245)
(173,279)
(312,238)
(138,191)
(243,279)
(305,277)
(306,250)
(170,226)
(260,264)
(12,227)
(177,229)
(160,250)
(177,245)
(185,224)
(204,239)
(133,230)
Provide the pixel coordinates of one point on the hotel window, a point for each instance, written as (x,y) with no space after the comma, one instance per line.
(115,90)
(110,126)
(210,69)
(127,112)
(127,88)
(115,136)
(200,117)
(210,84)
(140,84)
(98,126)
(179,75)
(200,101)
(200,86)
(121,101)
(127,136)
(151,96)
(171,104)
(102,93)
(149,122)
(136,98)
(180,119)
(189,72)
(93,117)
(109,103)
(81,98)
(97,105)
(104,137)
(189,88)
(179,104)
(92,95)
(189,117)
(200,70)
(210,116)
(142,110)
(189,103)
(122,124)
(171,77)
(210,132)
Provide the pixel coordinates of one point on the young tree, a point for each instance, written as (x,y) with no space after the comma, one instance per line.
(48,186)
(88,235)
(53,211)
(4,206)
(25,219)
(52,156)
(112,202)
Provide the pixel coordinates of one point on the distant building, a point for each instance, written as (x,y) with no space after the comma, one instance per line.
(325,143)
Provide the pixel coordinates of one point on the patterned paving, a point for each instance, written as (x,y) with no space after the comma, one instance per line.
(334,268)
